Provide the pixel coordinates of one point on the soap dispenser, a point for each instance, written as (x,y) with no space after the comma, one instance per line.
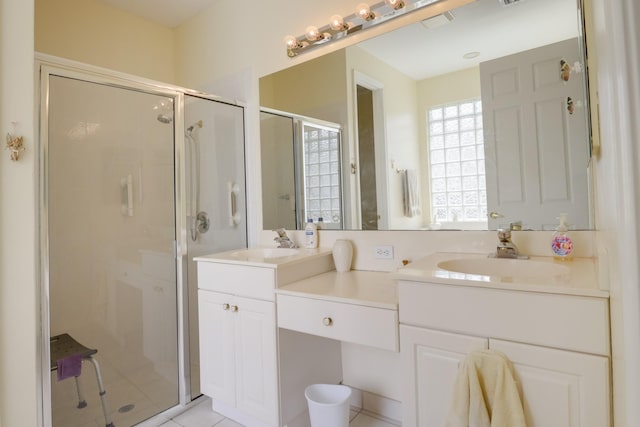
(561,243)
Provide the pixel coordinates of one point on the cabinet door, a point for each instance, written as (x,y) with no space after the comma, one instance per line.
(256,360)
(430,367)
(217,357)
(560,388)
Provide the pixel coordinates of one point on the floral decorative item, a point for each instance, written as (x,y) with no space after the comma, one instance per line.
(15,145)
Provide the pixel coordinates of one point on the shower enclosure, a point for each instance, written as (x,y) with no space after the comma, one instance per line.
(307,181)
(136,180)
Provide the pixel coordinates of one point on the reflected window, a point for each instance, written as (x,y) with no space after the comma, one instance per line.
(321,154)
(456,157)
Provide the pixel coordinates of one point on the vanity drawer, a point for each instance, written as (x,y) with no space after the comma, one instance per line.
(371,326)
(568,322)
(248,281)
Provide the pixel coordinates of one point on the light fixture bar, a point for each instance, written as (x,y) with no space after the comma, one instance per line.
(360,20)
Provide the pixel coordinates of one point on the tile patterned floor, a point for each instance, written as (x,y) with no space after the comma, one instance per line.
(201,415)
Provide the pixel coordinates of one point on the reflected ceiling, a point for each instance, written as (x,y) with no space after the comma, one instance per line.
(488,21)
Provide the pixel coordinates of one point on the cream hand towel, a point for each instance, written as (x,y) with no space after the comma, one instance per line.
(485,393)
(410,193)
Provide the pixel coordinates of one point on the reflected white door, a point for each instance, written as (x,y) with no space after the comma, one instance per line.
(528,128)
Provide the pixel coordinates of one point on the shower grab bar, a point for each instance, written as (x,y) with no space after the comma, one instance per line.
(233,204)
(126,189)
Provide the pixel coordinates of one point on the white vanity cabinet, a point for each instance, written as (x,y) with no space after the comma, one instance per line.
(238,352)
(237,328)
(558,345)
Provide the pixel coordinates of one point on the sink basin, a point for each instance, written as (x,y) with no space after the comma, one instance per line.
(264,253)
(502,267)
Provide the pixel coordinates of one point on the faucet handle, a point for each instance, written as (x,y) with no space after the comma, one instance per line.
(282,233)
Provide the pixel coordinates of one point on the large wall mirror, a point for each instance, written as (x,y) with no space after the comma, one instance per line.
(474,119)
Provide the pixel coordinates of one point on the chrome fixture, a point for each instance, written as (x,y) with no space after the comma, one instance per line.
(199,220)
(364,17)
(506,248)
(164,118)
(202,222)
(283,240)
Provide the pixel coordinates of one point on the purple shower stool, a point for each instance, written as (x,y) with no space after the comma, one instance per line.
(63,346)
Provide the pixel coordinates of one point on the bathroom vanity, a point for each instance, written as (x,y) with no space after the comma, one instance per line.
(267,316)
(238,335)
(549,319)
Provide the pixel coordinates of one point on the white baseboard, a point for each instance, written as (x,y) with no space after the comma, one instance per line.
(378,406)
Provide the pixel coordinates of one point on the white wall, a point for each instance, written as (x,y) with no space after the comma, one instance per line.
(19,364)
(615,36)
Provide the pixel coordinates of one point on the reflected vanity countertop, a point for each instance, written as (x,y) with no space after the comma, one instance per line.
(368,288)
(536,274)
(265,257)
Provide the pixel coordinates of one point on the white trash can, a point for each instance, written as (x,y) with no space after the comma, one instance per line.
(328,405)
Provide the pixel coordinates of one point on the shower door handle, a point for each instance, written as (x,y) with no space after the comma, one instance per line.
(126,189)
(234,219)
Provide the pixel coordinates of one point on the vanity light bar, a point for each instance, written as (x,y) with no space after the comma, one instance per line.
(364,17)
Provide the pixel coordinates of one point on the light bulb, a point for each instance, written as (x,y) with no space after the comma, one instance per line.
(291,42)
(312,34)
(395,4)
(336,23)
(364,11)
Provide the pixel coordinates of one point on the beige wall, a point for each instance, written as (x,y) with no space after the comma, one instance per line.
(18,298)
(95,33)
(324,95)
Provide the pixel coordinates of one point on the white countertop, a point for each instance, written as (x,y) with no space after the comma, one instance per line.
(581,279)
(251,257)
(368,288)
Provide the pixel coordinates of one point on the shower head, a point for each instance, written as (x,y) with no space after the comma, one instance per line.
(163,118)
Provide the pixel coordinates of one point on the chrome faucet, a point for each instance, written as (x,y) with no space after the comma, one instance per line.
(506,248)
(283,240)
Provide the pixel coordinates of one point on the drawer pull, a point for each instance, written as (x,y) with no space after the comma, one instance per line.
(327,321)
(225,306)
(234,308)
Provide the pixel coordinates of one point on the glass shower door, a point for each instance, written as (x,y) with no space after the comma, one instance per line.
(111,231)
(215,196)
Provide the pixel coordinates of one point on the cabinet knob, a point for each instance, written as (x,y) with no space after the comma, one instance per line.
(225,306)
(327,321)
(234,308)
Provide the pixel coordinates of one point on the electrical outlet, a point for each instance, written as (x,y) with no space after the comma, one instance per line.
(384,252)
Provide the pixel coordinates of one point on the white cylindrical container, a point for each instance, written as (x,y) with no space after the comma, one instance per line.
(328,405)
(342,255)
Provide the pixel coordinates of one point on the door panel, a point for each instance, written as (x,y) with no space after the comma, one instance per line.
(430,360)
(529,129)
(257,367)
(111,230)
(559,388)
(217,346)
